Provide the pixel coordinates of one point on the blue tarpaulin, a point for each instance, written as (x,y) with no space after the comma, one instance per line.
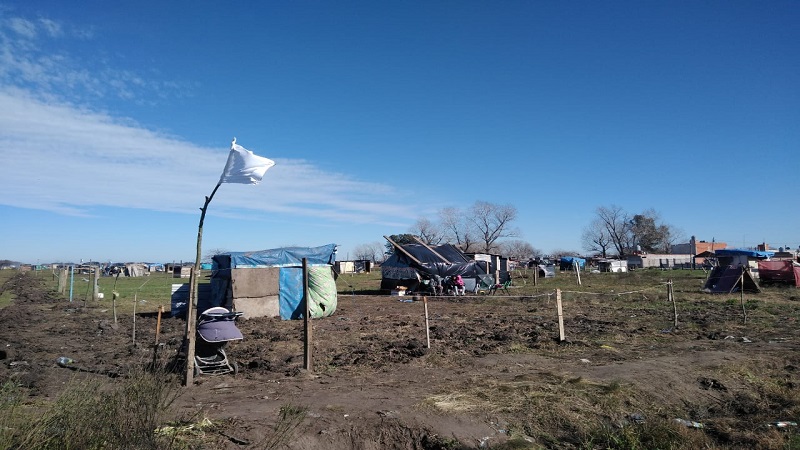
(567,262)
(280,257)
(289,262)
(743,251)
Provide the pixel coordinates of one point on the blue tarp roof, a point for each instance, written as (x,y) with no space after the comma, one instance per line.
(568,261)
(743,251)
(279,257)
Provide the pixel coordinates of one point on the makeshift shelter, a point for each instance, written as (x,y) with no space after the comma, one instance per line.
(728,279)
(612,265)
(568,262)
(779,272)
(270,282)
(741,256)
(410,264)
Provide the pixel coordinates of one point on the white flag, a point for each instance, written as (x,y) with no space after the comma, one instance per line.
(244,166)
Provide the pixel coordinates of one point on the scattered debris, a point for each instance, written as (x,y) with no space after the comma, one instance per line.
(637,418)
(690,423)
(64,361)
(710,383)
(782,424)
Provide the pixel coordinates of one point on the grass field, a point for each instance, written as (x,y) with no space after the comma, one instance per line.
(150,292)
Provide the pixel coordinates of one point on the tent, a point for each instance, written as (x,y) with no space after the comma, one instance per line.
(412,263)
(270,282)
(727,279)
(783,272)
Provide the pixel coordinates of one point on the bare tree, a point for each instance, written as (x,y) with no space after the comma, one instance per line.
(427,231)
(519,250)
(492,222)
(210,253)
(456,229)
(372,251)
(614,228)
(595,238)
(616,223)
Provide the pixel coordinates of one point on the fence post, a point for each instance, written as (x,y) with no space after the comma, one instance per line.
(671,296)
(741,296)
(561,337)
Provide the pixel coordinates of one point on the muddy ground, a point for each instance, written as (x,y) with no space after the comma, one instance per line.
(495,370)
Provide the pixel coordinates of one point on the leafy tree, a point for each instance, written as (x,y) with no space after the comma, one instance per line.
(400,239)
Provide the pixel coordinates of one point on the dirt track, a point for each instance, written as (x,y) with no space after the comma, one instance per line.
(375,384)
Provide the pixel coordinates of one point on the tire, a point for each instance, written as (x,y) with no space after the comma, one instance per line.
(234,367)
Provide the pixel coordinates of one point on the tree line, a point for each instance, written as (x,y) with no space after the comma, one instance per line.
(615,231)
(487,227)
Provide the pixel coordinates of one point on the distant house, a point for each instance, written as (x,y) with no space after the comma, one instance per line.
(612,265)
(354,266)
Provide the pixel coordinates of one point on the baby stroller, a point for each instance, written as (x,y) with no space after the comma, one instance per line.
(215,328)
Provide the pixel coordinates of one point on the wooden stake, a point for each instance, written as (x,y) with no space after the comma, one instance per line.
(158,331)
(578,271)
(158,322)
(135,301)
(741,296)
(427,325)
(671,296)
(307,342)
(561,337)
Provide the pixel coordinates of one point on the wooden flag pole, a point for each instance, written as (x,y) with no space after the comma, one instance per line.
(191,315)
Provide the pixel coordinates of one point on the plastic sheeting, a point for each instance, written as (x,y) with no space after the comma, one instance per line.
(779,272)
(749,253)
(567,262)
(321,293)
(321,281)
(281,257)
(728,279)
(400,270)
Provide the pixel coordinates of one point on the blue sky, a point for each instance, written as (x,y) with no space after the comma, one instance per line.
(116,120)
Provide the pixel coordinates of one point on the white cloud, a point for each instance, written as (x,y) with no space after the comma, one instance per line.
(22,27)
(66,158)
(60,158)
(35,53)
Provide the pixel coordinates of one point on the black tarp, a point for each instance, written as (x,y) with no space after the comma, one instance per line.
(727,279)
(401,270)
